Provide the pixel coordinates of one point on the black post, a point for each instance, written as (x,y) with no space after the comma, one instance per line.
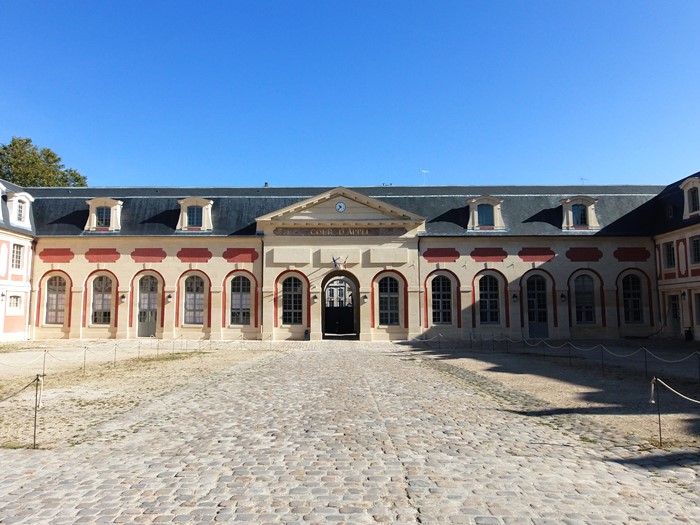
(658,409)
(36,406)
(602,358)
(568,345)
(698,354)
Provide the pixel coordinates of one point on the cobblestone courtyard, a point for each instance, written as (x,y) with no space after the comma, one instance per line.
(337,433)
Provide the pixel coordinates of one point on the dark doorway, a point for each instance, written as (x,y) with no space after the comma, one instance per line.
(340,319)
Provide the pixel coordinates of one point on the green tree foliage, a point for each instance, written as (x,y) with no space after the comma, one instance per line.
(22,163)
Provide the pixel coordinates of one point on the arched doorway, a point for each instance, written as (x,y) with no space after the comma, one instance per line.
(341,319)
(148,306)
(537,313)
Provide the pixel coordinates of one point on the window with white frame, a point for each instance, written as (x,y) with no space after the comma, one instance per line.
(18,203)
(632,299)
(102,300)
(489,307)
(669,255)
(584,295)
(388,301)
(15,302)
(194,300)
(695,250)
(240,300)
(485,213)
(578,213)
(693,200)
(195,214)
(441,289)
(21,211)
(104,214)
(691,191)
(292,301)
(55,300)
(17,256)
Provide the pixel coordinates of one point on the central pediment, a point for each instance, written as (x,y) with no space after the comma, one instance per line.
(340,212)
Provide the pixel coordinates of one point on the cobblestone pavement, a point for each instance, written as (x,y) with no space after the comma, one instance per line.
(337,433)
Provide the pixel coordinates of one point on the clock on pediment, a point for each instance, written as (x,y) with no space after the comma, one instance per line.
(340,207)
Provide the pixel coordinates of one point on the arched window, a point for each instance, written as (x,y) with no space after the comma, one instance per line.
(388,301)
(485,214)
(489,308)
(102,300)
(632,299)
(442,300)
(584,294)
(194,300)
(292,301)
(55,300)
(240,300)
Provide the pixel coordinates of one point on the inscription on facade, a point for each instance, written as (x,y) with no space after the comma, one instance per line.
(340,232)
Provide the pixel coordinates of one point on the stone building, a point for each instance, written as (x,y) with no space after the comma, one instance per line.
(372,263)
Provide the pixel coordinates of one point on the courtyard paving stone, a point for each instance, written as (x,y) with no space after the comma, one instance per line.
(339,432)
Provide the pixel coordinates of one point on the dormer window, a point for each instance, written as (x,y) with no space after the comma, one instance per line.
(195,214)
(691,189)
(18,206)
(104,217)
(105,214)
(693,200)
(21,211)
(578,213)
(485,213)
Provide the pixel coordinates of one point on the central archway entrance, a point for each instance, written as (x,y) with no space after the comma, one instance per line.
(341,314)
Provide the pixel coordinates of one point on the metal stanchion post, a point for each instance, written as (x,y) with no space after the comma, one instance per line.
(43,371)
(36,407)
(602,358)
(568,345)
(658,409)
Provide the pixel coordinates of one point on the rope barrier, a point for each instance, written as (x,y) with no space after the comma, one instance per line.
(624,355)
(18,392)
(657,380)
(555,347)
(77,356)
(22,366)
(584,349)
(671,361)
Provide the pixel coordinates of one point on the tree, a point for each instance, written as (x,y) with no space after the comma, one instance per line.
(22,163)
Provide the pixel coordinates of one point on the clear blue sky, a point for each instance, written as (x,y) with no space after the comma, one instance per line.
(238,93)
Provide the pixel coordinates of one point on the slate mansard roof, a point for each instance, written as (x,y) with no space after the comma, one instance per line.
(526,210)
